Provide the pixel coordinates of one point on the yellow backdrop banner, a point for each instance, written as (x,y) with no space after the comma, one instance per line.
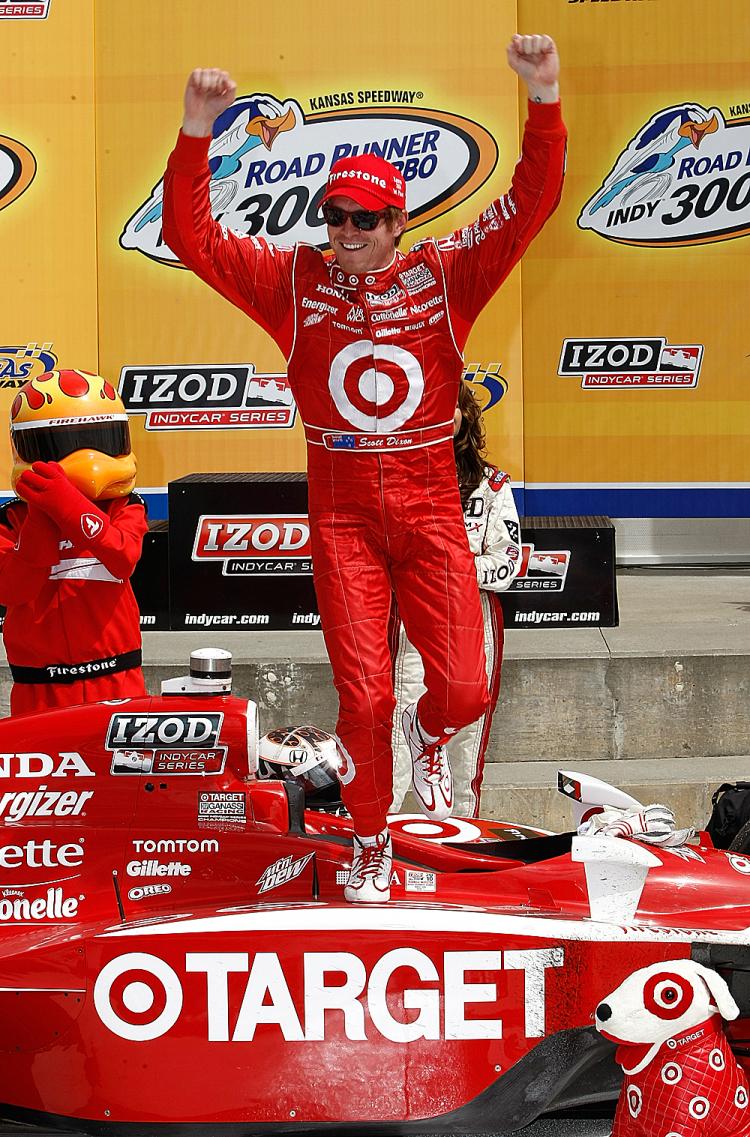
(47,197)
(636,364)
(612,366)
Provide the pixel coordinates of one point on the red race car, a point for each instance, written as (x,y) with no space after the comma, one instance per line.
(176,954)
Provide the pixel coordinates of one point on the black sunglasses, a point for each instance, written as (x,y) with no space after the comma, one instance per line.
(365,219)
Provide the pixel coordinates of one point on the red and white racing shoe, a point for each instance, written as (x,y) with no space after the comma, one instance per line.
(430,769)
(370,875)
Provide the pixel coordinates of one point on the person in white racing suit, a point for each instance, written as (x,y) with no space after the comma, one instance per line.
(493,529)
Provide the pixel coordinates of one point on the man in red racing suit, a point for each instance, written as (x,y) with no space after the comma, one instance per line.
(374,338)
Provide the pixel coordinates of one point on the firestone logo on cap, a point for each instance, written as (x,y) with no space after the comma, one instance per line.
(371,180)
(363,174)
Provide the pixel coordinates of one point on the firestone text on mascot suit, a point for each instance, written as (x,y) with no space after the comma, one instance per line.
(374,338)
(69,544)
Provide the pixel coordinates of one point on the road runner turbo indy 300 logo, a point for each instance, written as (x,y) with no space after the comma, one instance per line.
(684,179)
(17,169)
(269,163)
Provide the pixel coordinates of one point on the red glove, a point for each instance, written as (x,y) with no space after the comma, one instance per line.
(46,487)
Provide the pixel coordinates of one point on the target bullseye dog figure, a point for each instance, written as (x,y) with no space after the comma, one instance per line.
(681,1078)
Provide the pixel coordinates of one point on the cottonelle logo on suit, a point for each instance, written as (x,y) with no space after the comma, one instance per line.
(269,164)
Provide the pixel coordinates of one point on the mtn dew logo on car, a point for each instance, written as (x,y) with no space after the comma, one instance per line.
(269,163)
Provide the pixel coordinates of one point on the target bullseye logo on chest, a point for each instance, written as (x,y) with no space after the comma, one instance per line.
(376,387)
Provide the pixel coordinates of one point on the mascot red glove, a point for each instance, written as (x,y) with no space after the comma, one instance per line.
(46,487)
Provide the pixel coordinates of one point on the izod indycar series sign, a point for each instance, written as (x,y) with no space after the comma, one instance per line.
(627,364)
(166,744)
(254,544)
(218,397)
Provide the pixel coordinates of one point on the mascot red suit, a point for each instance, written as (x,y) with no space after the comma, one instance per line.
(69,544)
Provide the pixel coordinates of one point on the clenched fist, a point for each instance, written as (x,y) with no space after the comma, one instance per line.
(209,91)
(535,60)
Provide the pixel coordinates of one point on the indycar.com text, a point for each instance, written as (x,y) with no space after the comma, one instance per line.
(235,619)
(557,617)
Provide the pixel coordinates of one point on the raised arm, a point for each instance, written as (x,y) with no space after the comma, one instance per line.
(252,275)
(478,258)
(208,93)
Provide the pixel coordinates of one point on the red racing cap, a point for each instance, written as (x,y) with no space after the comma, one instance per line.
(367,179)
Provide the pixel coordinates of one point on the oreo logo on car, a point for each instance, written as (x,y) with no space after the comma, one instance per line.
(142,731)
(143,891)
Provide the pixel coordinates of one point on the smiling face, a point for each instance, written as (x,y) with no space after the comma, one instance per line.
(359,250)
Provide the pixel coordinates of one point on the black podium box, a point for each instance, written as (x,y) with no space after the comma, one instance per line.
(239,553)
(567,575)
(239,560)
